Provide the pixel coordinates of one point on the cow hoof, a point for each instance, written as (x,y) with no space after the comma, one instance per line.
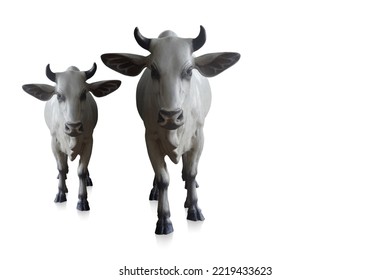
(88,182)
(195,214)
(153,194)
(60,197)
(83,205)
(164,226)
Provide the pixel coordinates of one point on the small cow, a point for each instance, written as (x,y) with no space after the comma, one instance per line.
(173,99)
(71,117)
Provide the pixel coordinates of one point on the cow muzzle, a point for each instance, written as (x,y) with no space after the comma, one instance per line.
(170,119)
(74,129)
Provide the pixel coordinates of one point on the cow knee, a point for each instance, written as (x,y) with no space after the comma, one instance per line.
(187,176)
(162,185)
(82,175)
(161,180)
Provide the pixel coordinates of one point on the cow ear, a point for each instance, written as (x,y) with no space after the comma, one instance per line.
(210,65)
(103,88)
(124,63)
(41,91)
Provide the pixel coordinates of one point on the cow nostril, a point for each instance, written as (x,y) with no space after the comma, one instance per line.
(74,128)
(170,116)
(180,117)
(160,118)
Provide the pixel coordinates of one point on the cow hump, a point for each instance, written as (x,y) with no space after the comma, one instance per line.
(167,33)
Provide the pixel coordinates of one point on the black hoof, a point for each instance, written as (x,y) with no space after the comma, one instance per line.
(60,197)
(153,194)
(164,227)
(88,182)
(83,205)
(195,214)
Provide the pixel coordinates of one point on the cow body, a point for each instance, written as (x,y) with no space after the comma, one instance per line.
(55,120)
(173,99)
(71,115)
(174,143)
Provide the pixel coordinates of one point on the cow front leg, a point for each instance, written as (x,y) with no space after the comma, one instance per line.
(164,224)
(62,189)
(190,170)
(65,177)
(161,182)
(62,166)
(82,171)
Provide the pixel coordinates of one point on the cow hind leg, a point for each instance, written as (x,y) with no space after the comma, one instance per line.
(88,180)
(154,191)
(194,213)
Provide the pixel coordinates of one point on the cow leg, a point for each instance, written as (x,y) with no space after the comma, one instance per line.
(66,177)
(62,166)
(154,191)
(164,224)
(89,180)
(190,170)
(82,171)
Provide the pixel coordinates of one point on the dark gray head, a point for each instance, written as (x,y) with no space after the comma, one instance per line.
(71,91)
(170,64)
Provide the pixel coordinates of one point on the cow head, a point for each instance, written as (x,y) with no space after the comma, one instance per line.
(170,65)
(72,91)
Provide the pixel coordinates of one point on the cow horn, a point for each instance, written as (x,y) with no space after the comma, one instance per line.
(90,72)
(141,40)
(199,41)
(50,74)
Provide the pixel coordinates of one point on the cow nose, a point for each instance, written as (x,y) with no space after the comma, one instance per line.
(170,119)
(74,128)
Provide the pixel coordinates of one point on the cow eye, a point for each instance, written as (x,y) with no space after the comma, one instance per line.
(187,73)
(154,73)
(60,97)
(83,95)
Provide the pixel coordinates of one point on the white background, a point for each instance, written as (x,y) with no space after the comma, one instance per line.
(295,170)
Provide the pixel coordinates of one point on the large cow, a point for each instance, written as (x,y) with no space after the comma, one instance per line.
(71,117)
(173,99)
